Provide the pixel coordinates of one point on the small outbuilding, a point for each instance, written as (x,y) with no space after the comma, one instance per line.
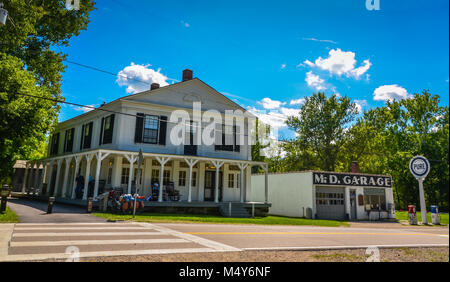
(328,195)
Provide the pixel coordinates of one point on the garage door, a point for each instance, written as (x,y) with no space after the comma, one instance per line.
(330,203)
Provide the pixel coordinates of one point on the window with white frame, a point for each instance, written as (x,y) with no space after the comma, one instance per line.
(125,175)
(150,134)
(194,179)
(231,180)
(182,178)
(166,177)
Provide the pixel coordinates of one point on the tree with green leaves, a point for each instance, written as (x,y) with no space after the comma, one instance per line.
(385,139)
(321,129)
(28,65)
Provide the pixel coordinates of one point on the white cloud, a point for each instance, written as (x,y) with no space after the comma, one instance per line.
(139,77)
(84,109)
(340,63)
(390,92)
(270,104)
(283,66)
(320,40)
(289,111)
(297,101)
(185,24)
(309,63)
(315,81)
(274,119)
(360,104)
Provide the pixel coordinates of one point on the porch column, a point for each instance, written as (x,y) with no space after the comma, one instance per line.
(36,177)
(131,159)
(100,157)
(218,165)
(191,164)
(66,176)
(116,171)
(162,161)
(30,178)
(75,174)
(266,182)
(42,179)
(25,178)
(86,177)
(242,167)
(58,172)
(49,180)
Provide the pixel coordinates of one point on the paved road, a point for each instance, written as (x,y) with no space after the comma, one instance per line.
(70,231)
(266,237)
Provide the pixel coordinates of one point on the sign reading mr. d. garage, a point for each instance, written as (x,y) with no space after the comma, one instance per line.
(329,178)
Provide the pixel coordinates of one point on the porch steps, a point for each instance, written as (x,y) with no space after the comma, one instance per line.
(237,210)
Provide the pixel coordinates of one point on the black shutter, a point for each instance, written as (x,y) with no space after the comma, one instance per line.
(100,141)
(51,144)
(65,141)
(162,130)
(139,128)
(111,129)
(237,148)
(82,137)
(56,143)
(70,141)
(225,147)
(88,138)
(218,137)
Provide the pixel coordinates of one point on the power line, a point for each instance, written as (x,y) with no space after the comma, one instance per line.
(107,72)
(109,111)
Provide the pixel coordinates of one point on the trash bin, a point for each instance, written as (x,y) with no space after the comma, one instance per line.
(412,215)
(435,218)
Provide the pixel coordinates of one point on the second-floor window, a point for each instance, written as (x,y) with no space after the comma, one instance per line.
(106,130)
(230,137)
(54,144)
(86,135)
(150,134)
(150,129)
(68,143)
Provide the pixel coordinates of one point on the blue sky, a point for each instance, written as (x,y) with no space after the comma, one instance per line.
(265,55)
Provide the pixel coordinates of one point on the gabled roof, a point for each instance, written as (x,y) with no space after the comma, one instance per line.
(124,98)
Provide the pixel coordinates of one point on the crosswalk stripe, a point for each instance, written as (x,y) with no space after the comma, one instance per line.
(61,234)
(71,223)
(30,257)
(94,242)
(199,240)
(78,228)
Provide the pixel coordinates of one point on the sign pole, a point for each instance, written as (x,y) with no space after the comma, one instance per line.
(423,206)
(138,180)
(420,167)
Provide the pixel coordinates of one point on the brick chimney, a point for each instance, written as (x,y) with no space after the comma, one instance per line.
(355,167)
(154,85)
(187,74)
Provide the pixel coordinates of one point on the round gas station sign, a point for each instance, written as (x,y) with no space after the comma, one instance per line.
(419,167)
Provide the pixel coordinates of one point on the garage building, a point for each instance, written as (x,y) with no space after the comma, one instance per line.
(328,195)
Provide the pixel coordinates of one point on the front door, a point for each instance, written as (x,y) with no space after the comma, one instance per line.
(353,204)
(210,185)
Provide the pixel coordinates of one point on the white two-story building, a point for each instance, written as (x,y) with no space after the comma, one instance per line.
(104,144)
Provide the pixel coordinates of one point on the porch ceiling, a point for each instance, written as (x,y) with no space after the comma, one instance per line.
(154,155)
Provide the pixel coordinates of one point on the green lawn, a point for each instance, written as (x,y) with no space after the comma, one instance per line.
(403,215)
(271,220)
(8,216)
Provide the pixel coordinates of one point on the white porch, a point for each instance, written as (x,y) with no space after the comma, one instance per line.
(198,179)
